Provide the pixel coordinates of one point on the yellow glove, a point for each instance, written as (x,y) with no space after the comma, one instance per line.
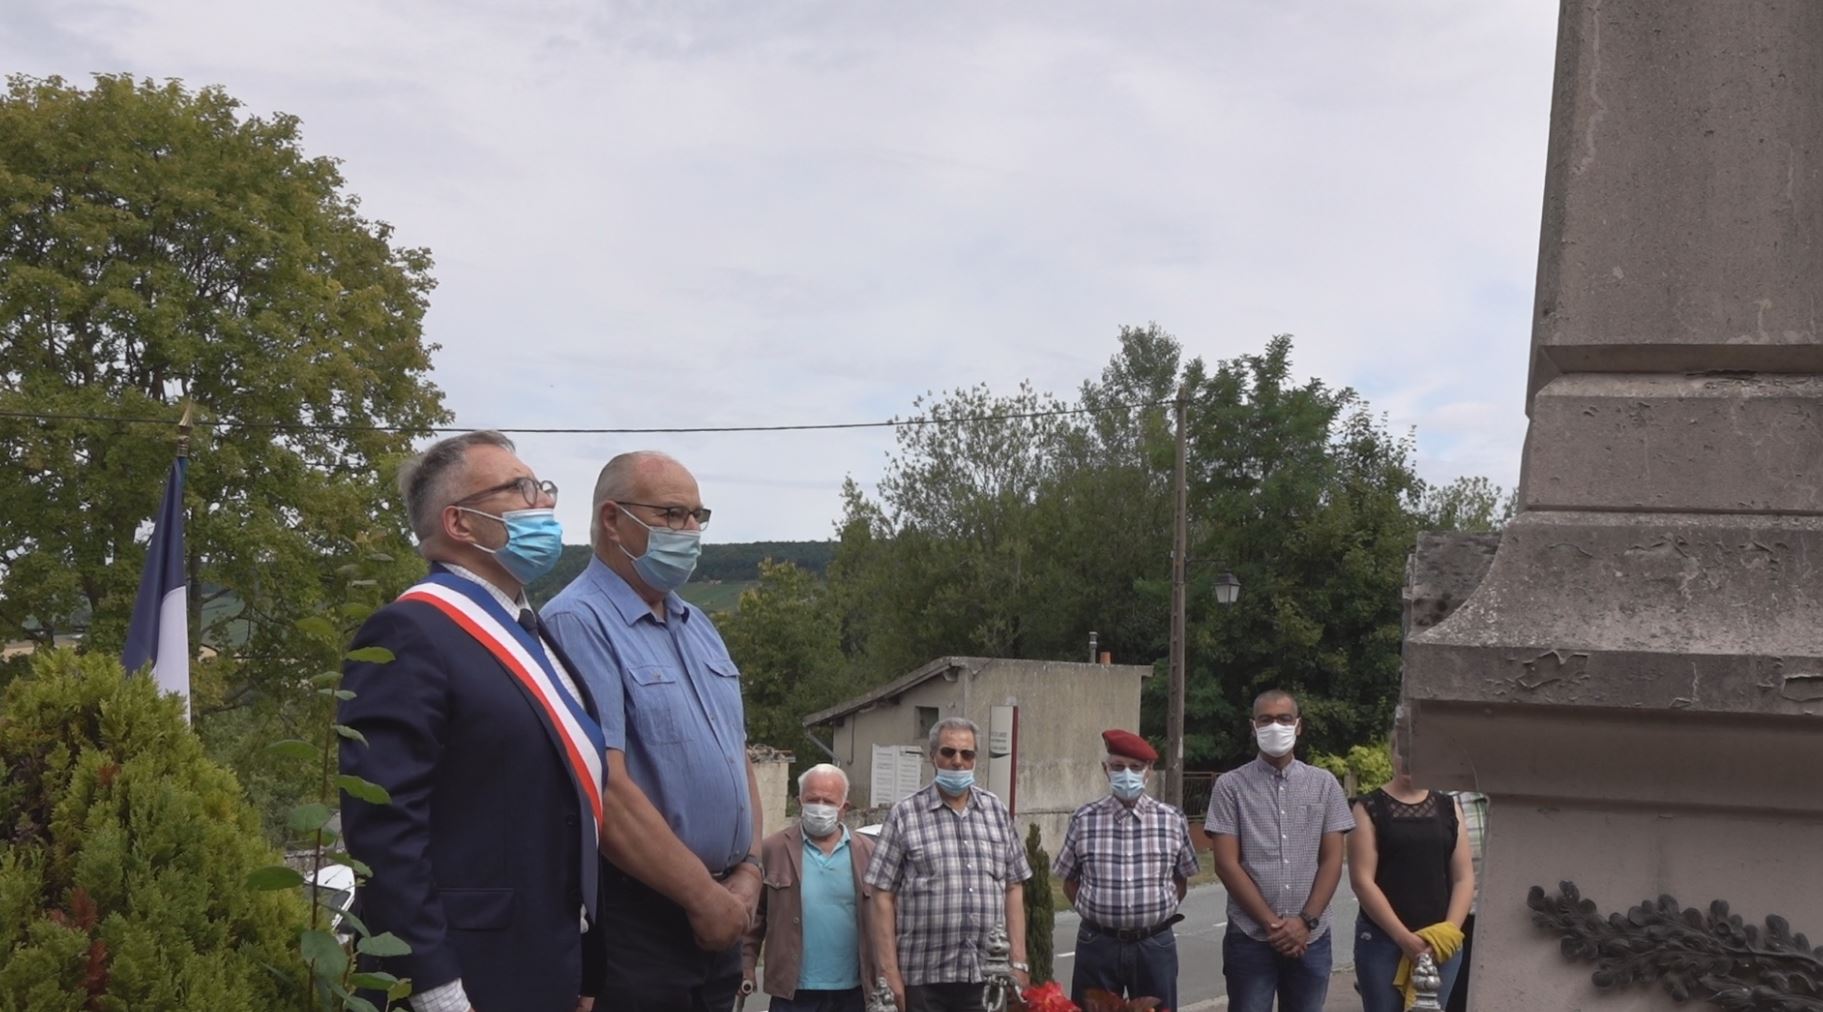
(1445,940)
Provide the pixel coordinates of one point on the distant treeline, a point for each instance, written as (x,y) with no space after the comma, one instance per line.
(720,562)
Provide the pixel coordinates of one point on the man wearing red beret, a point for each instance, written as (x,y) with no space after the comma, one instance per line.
(1125,862)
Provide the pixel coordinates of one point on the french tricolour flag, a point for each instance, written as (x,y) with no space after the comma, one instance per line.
(160,633)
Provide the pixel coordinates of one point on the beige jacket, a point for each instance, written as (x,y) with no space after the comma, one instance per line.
(779,922)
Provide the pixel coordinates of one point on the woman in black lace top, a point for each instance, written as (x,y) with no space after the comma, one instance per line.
(1409,863)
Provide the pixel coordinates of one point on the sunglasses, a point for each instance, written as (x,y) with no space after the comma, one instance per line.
(951,753)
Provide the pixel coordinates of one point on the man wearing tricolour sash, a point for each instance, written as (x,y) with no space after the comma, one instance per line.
(487,859)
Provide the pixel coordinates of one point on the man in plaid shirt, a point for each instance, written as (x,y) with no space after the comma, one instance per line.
(947,869)
(1125,862)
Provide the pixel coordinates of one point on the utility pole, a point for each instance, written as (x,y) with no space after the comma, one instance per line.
(1180,549)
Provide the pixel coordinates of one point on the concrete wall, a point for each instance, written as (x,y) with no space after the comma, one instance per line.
(773,771)
(1063,708)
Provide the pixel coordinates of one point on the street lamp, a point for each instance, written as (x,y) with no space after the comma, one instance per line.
(1227,591)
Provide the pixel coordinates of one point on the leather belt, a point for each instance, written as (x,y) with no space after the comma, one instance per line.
(1133,934)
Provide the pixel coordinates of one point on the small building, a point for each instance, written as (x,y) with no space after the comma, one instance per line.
(1050,752)
(772,772)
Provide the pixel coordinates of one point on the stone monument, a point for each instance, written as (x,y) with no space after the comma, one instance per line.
(1638,679)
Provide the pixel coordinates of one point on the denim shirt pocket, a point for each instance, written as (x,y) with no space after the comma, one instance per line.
(654,699)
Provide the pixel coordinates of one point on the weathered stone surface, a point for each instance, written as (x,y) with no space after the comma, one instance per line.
(1709,443)
(1638,679)
(1683,215)
(1441,573)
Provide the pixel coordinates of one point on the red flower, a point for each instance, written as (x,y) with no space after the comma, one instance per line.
(1048,998)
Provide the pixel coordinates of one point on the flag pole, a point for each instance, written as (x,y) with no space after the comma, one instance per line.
(159,631)
(184,425)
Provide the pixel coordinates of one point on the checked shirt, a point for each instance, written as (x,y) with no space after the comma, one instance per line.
(948,872)
(1280,817)
(1125,861)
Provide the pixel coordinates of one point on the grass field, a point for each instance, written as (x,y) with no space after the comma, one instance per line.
(717,596)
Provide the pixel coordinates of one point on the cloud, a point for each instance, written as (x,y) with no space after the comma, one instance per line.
(654,213)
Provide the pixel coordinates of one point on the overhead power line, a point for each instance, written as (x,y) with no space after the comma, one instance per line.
(922,420)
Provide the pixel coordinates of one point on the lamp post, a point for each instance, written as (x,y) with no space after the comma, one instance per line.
(1227,591)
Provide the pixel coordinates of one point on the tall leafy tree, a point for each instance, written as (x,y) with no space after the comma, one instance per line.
(161,245)
(786,638)
(1020,544)
(1302,492)
(948,557)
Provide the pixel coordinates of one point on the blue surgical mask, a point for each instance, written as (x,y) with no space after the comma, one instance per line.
(954,782)
(534,541)
(1127,784)
(670,556)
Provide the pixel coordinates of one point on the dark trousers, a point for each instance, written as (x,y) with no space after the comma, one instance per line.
(1459,996)
(1146,968)
(944,998)
(1255,973)
(810,1000)
(653,964)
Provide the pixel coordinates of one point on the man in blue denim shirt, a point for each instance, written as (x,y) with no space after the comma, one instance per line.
(680,825)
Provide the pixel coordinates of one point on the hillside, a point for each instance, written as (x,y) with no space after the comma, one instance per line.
(724,572)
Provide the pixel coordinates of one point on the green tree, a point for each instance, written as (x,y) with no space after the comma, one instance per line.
(1470,503)
(1300,491)
(124,855)
(161,246)
(1040,909)
(1018,537)
(947,560)
(786,638)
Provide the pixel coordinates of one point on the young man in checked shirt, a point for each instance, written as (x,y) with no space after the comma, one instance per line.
(1125,862)
(947,869)
(1276,827)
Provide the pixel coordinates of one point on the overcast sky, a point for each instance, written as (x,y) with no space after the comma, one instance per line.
(773,212)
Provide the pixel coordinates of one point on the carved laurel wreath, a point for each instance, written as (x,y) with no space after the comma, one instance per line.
(1714,957)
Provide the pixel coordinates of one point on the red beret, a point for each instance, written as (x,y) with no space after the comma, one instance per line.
(1128,744)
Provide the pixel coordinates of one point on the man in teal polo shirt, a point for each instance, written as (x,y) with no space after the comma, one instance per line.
(813,909)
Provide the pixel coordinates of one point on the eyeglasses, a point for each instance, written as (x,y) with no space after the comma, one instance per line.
(530,488)
(675,517)
(951,753)
(1281,719)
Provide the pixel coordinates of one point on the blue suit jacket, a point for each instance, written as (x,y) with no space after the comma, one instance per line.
(477,860)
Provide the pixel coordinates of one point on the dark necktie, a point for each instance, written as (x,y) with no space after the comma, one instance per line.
(529,619)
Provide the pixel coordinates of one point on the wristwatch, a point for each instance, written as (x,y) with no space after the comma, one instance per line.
(1309,921)
(754,859)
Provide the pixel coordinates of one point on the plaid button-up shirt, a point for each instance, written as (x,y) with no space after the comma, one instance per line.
(948,872)
(1126,861)
(1475,821)
(1280,817)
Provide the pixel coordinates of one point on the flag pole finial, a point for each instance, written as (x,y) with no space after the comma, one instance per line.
(183,428)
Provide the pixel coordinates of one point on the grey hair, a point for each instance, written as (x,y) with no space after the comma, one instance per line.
(424,480)
(820,768)
(618,481)
(952,724)
(1276,694)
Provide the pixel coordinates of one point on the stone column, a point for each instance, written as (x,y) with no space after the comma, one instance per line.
(1638,680)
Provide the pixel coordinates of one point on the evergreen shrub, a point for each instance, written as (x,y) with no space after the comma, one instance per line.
(124,855)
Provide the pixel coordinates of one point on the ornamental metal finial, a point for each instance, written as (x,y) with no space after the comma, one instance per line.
(882,1000)
(1427,982)
(998,984)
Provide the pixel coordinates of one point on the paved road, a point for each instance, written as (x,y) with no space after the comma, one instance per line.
(1199,945)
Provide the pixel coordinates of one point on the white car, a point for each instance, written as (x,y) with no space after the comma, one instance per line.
(334,885)
(873,830)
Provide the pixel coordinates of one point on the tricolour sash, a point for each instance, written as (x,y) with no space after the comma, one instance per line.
(576,735)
